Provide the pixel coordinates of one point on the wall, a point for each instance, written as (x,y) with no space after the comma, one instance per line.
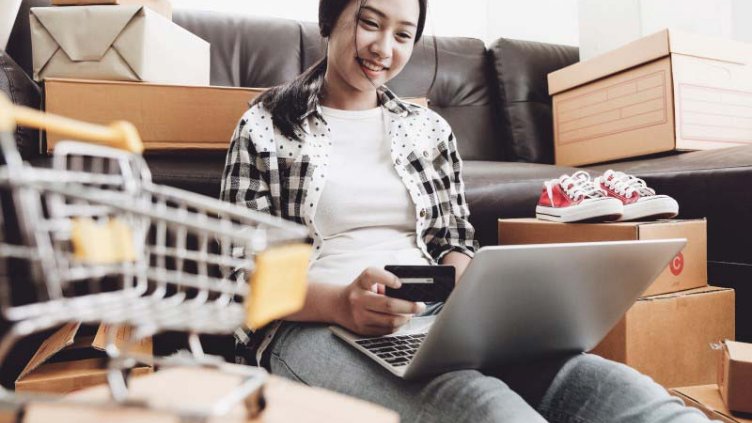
(552,21)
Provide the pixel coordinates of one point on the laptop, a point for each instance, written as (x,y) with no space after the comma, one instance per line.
(523,302)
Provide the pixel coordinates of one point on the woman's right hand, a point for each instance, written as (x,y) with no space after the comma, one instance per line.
(365,309)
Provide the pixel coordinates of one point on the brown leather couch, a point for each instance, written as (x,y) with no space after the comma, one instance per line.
(496,100)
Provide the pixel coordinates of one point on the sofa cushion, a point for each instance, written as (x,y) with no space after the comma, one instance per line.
(21,90)
(245,50)
(521,69)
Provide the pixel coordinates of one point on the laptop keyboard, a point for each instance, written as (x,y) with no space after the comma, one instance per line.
(395,350)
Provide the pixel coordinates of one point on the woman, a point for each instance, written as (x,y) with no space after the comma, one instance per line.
(378,181)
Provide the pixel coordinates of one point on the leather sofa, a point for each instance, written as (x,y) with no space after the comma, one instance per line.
(496,99)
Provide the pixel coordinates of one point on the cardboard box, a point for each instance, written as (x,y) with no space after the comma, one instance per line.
(124,43)
(668,337)
(688,269)
(735,376)
(668,91)
(163,7)
(73,358)
(707,399)
(286,401)
(166,116)
(607,25)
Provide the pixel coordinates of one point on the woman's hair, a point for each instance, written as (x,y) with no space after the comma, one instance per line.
(289,102)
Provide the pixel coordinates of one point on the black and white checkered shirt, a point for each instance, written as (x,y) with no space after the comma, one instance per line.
(268,172)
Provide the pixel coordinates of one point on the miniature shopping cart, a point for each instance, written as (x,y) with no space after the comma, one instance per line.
(92,239)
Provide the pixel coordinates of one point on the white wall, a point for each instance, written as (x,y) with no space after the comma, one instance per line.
(549,21)
(552,21)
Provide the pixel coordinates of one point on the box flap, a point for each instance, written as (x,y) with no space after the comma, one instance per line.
(708,399)
(71,28)
(646,50)
(739,351)
(122,337)
(51,346)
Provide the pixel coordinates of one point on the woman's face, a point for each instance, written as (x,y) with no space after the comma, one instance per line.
(368,53)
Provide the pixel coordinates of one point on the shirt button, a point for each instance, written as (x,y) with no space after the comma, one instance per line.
(425,154)
(422,212)
(398,161)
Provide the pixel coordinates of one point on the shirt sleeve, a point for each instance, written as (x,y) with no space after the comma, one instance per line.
(245,180)
(460,234)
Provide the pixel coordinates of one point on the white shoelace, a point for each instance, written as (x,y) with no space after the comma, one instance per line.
(577,186)
(624,184)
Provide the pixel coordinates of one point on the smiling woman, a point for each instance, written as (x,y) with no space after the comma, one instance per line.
(378,181)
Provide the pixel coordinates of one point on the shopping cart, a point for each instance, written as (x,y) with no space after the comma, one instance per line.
(94,240)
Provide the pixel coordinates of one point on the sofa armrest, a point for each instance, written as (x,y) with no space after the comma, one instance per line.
(16,85)
(522,68)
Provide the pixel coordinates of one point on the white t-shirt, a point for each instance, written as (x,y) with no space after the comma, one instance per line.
(365,215)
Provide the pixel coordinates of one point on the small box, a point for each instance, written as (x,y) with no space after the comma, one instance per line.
(735,376)
(167,116)
(668,337)
(606,25)
(707,398)
(74,358)
(124,43)
(668,91)
(163,7)
(686,271)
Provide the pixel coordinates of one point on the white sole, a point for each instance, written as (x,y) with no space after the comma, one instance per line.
(602,209)
(658,207)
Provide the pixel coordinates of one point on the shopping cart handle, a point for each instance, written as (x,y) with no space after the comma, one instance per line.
(119,134)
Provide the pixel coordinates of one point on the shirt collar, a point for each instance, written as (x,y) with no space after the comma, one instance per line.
(387,99)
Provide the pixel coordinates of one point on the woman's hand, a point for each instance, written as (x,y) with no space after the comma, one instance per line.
(365,309)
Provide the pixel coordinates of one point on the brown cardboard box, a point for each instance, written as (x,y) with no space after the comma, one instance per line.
(123,43)
(286,401)
(73,358)
(668,337)
(735,376)
(668,91)
(163,7)
(166,116)
(707,399)
(688,269)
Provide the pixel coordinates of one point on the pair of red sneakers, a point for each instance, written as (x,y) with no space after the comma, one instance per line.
(614,196)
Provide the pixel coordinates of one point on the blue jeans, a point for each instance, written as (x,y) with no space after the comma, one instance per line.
(580,388)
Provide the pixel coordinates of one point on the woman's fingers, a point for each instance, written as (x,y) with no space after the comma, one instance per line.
(387,323)
(389,305)
(374,275)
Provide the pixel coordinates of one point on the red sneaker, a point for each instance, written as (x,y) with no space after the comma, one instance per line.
(575,199)
(640,201)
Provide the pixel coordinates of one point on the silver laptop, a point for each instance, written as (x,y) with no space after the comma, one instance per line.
(523,302)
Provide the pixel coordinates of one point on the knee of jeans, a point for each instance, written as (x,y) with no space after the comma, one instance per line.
(586,375)
(470,396)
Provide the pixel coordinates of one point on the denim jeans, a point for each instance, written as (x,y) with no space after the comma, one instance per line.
(580,388)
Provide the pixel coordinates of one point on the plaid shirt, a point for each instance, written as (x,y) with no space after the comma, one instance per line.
(268,172)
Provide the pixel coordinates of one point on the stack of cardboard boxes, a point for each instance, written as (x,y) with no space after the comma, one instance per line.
(667,91)
(126,60)
(668,333)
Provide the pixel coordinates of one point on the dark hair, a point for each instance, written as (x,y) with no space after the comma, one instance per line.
(289,102)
